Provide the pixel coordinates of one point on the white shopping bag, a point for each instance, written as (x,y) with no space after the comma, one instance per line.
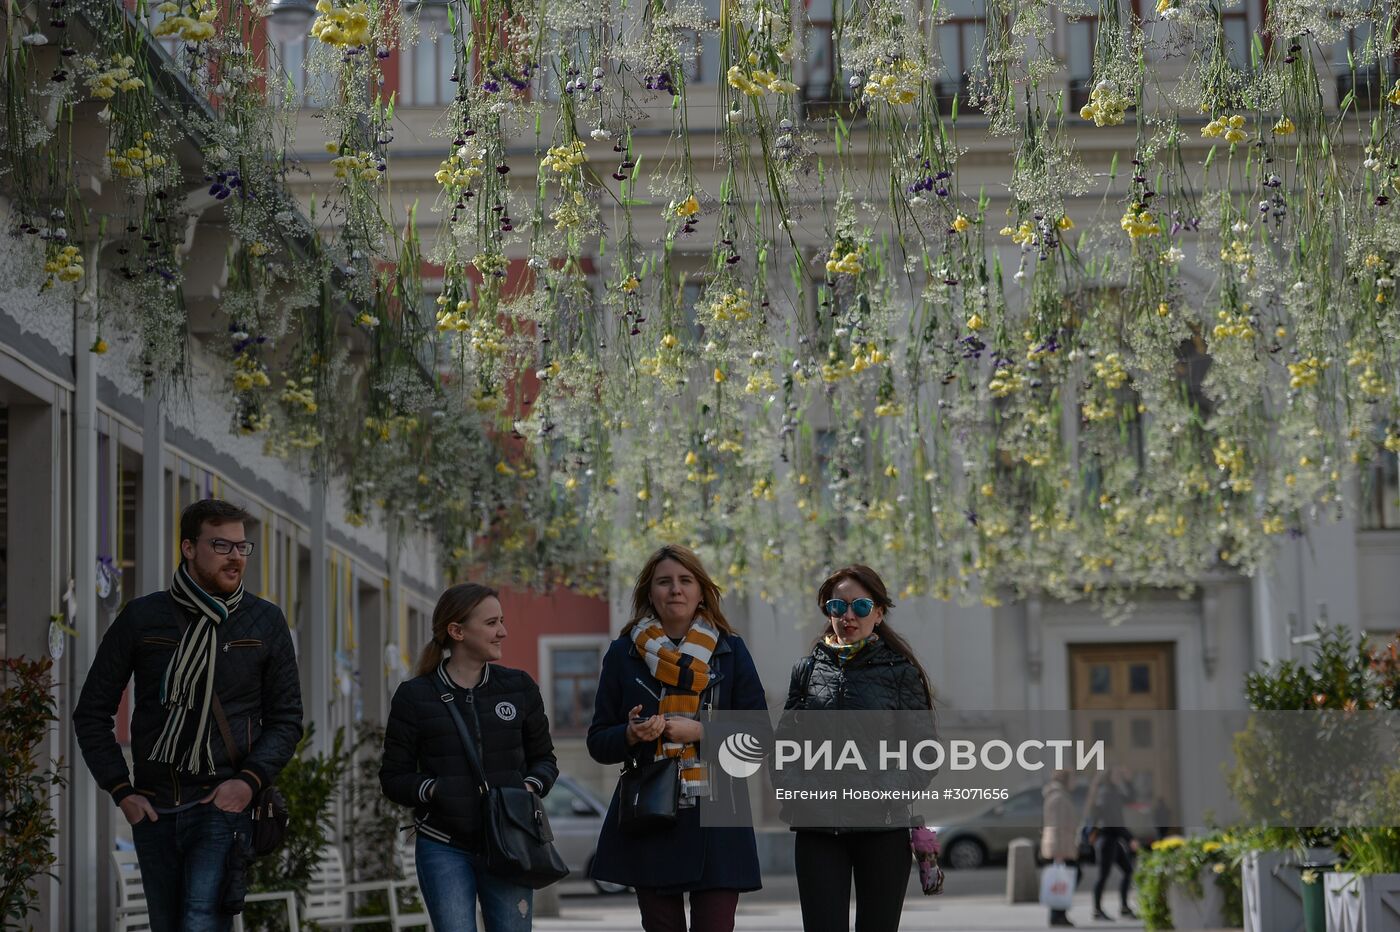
(1057,886)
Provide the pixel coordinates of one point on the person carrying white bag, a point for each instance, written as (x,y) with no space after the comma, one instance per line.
(1059,845)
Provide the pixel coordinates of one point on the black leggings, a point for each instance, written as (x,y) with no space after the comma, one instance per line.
(1113,848)
(826,862)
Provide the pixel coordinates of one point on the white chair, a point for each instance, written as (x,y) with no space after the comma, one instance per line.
(331,899)
(131,896)
(132,914)
(286,896)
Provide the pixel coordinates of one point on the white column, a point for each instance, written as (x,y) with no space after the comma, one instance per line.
(152,557)
(318,635)
(83,855)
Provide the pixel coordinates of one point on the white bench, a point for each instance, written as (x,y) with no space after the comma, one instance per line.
(132,914)
(331,899)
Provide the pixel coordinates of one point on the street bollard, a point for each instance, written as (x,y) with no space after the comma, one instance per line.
(1022,879)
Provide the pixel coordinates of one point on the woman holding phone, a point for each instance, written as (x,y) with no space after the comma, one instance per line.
(676,660)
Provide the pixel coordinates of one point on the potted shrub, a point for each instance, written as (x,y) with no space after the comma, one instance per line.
(1189,883)
(27,782)
(1344,674)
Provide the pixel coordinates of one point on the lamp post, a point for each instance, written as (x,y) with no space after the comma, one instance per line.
(289,20)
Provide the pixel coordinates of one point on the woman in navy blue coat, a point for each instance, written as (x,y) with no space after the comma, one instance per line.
(675,660)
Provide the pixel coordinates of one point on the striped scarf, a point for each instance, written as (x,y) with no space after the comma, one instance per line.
(683,672)
(189,680)
(844,652)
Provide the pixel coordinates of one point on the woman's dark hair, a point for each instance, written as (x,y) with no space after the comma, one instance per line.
(454,605)
(709,593)
(870,581)
(213,511)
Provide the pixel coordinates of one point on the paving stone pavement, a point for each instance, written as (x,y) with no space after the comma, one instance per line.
(975,902)
(953,914)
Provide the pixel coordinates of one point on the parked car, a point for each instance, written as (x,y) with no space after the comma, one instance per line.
(985,837)
(576,816)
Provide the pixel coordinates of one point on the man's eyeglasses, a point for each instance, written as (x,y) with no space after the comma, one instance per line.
(835,608)
(221,546)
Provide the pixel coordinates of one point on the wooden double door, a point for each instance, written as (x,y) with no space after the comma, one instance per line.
(1123,695)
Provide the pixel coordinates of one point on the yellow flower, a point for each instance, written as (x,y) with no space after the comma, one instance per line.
(688,207)
(99,346)
(1065,223)
(719,376)
(1284,127)
(975,323)
(961,223)
(631,285)
(1138,222)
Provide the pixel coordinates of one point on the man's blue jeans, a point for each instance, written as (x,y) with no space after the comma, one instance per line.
(451,882)
(182,856)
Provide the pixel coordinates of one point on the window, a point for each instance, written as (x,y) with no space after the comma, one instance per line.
(303,86)
(1100,679)
(427,67)
(699,48)
(1381,493)
(962,44)
(574,683)
(1079,41)
(1239,38)
(1357,67)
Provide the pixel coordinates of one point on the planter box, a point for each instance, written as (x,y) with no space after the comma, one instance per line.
(1273,896)
(1206,913)
(1369,903)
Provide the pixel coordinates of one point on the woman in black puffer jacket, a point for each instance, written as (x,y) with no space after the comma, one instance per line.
(425,764)
(859,664)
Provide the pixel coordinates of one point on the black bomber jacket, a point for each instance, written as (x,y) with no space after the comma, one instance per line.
(425,766)
(255,678)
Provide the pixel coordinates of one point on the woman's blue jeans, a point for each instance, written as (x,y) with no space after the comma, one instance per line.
(451,882)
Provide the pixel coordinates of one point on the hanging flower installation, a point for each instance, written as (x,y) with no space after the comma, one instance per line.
(793,287)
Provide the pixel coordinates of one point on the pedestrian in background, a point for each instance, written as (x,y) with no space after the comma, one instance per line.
(1114,844)
(858,663)
(1059,838)
(676,659)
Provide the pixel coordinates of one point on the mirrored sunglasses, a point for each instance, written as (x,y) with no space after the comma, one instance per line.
(835,608)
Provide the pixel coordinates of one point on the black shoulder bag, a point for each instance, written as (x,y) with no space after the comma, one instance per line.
(269,807)
(519,842)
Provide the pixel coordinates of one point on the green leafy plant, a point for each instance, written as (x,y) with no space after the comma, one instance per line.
(1184,863)
(1272,776)
(373,823)
(309,783)
(27,783)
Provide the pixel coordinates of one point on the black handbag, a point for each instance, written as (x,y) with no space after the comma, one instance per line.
(519,842)
(269,806)
(649,795)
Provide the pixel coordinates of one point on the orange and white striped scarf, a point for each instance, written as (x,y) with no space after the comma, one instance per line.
(684,673)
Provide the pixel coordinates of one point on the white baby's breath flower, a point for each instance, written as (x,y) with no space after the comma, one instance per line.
(1175,255)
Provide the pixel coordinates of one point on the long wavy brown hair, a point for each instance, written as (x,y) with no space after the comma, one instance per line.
(709,593)
(456,604)
(871,582)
